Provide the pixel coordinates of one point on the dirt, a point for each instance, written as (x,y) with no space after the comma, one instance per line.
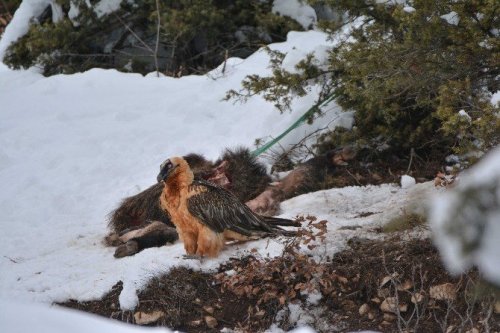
(360,173)
(250,294)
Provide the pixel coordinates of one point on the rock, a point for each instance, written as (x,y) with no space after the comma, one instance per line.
(497,307)
(211,321)
(371,315)
(145,318)
(446,291)
(364,309)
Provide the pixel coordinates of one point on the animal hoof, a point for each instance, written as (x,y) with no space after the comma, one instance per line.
(127,249)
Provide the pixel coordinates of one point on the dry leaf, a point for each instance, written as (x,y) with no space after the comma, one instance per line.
(446,291)
(386,279)
(208,309)
(417,298)
(195,323)
(211,321)
(390,305)
(145,318)
(405,285)
(364,309)
(389,317)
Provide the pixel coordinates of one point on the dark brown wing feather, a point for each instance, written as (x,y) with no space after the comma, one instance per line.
(219,210)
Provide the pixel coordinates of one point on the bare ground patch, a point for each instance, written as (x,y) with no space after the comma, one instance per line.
(392,285)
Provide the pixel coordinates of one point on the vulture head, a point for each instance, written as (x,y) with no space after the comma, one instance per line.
(169,167)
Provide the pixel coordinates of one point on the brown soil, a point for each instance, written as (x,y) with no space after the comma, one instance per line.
(248,294)
(358,173)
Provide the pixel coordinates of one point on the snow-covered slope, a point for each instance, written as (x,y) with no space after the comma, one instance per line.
(72,146)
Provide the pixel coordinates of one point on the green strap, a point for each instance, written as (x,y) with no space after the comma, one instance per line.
(296,124)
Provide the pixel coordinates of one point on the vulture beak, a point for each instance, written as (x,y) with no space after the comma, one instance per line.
(166,169)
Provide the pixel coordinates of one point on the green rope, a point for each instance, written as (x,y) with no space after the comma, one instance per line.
(296,124)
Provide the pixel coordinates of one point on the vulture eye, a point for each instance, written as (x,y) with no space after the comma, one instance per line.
(166,165)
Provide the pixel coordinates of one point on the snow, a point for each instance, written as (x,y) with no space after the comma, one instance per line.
(73,12)
(105,7)
(465,220)
(407,181)
(297,10)
(452,18)
(57,12)
(73,146)
(18,317)
(495,98)
(29,9)
(409,9)
(465,115)
(80,143)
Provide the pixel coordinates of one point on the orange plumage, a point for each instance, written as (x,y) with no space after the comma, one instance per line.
(204,214)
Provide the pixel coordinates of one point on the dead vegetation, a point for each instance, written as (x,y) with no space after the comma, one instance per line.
(390,285)
(393,284)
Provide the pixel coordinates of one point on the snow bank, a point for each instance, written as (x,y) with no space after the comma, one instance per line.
(297,10)
(22,318)
(466,220)
(73,146)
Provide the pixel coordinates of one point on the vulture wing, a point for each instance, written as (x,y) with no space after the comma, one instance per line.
(219,210)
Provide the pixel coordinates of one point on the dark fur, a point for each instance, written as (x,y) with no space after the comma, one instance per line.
(248,179)
(247,176)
